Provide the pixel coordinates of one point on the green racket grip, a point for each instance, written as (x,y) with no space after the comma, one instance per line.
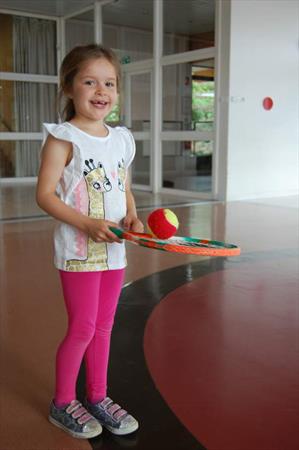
(117,231)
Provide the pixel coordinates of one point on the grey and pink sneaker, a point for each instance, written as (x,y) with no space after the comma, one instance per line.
(75,420)
(112,416)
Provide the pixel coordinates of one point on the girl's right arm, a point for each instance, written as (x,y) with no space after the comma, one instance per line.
(56,154)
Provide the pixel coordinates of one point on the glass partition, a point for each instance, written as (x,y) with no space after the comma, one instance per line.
(188,25)
(19,158)
(28,45)
(187,165)
(140,102)
(141,164)
(128,29)
(138,118)
(187,90)
(79,30)
(24,106)
(188,96)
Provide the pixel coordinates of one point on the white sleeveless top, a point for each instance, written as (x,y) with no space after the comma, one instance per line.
(94,184)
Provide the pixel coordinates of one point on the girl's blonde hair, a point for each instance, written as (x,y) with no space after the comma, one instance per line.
(70,67)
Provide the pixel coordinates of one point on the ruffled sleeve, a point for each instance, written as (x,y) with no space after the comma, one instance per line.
(129,144)
(74,170)
(59,131)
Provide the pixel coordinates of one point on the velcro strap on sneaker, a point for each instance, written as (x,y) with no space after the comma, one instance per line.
(113,409)
(79,412)
(85,418)
(75,404)
(121,414)
(106,402)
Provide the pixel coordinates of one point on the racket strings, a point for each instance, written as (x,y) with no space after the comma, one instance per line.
(183,243)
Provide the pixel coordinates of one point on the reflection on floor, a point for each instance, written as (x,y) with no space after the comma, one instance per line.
(203,349)
(18,201)
(199,183)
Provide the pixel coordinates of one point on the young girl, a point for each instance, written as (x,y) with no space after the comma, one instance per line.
(83,183)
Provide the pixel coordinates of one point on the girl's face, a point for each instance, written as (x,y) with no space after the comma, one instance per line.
(94,90)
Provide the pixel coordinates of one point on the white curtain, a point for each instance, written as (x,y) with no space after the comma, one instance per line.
(34,103)
(78,32)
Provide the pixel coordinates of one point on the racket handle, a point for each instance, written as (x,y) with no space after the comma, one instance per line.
(117,231)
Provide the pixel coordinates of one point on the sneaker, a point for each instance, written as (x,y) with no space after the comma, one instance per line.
(75,420)
(112,416)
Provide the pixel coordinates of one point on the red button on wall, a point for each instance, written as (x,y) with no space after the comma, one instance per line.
(268,103)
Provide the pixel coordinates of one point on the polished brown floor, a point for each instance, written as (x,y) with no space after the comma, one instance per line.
(33,322)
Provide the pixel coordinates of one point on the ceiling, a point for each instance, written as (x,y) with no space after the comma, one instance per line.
(180,16)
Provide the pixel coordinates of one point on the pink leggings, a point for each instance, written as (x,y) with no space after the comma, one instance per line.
(91,299)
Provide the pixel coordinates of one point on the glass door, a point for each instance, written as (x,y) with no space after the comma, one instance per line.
(188,126)
(188,92)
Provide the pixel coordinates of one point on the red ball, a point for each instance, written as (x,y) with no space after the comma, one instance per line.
(162,223)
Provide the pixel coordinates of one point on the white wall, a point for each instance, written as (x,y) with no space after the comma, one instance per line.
(262,146)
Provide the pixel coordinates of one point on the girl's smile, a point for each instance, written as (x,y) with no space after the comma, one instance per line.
(100,104)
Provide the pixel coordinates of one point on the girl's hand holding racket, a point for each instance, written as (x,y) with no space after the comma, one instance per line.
(132,223)
(99,230)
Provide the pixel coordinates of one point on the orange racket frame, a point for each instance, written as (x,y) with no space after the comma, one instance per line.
(176,244)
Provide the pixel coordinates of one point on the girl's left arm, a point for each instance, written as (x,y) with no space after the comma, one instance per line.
(131,221)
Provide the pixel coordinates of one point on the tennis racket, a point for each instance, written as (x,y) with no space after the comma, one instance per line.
(187,245)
